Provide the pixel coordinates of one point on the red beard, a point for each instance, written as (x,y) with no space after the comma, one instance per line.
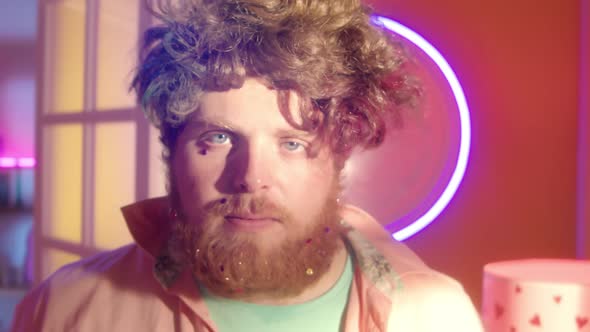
(235,265)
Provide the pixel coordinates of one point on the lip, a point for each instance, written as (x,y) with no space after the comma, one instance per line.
(250,222)
(250,217)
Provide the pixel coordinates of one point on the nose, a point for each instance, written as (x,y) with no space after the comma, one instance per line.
(252,169)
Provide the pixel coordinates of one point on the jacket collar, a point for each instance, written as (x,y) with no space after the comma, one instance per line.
(149,223)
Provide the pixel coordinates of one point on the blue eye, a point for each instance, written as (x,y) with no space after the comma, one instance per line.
(218,138)
(292,146)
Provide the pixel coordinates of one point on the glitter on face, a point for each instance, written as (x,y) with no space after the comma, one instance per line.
(309,271)
(327,229)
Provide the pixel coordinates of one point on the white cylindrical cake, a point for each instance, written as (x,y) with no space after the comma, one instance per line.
(535,295)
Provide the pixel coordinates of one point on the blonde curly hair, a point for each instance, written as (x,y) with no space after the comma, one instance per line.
(348,70)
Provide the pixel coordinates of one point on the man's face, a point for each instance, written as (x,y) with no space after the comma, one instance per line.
(246,178)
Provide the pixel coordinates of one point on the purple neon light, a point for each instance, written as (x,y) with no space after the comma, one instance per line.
(7,162)
(11,162)
(26,162)
(464,118)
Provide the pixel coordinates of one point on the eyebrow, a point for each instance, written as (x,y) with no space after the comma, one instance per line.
(200,124)
(295,133)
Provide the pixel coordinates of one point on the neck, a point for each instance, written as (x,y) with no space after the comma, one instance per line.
(316,290)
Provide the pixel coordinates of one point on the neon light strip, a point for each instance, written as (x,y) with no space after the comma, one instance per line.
(26,162)
(7,162)
(465,144)
(10,162)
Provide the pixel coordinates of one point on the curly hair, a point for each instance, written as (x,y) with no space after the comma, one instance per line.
(347,70)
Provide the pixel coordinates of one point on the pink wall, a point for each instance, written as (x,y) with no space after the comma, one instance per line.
(17,72)
(17,98)
(518,63)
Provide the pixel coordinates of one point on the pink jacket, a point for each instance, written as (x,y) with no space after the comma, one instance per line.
(392,289)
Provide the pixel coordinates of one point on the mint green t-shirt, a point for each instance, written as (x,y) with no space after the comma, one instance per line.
(321,314)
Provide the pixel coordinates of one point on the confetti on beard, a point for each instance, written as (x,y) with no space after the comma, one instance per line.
(237,265)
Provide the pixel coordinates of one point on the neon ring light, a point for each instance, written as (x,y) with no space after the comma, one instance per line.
(465,125)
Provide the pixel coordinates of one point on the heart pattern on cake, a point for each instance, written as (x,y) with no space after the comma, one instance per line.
(536,304)
(581,321)
(536,320)
(498,311)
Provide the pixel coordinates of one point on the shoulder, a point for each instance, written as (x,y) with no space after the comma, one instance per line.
(430,301)
(103,281)
(110,265)
(422,298)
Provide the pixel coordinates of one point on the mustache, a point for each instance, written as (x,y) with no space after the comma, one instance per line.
(245,204)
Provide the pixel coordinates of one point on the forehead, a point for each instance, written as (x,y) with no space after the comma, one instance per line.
(254,106)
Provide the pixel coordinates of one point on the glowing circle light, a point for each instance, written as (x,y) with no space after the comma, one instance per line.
(465,125)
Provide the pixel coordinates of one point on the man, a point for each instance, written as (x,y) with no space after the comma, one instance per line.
(259,104)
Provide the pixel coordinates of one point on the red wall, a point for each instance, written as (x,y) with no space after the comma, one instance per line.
(518,62)
(584,138)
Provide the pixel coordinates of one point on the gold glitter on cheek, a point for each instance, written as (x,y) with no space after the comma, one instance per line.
(309,271)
